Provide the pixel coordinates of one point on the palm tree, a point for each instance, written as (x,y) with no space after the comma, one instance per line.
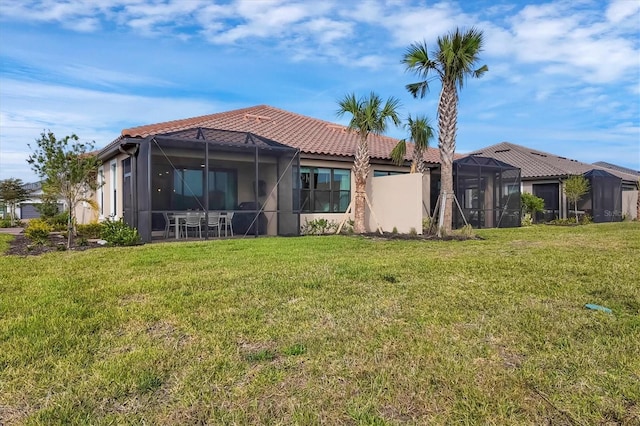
(452,62)
(420,133)
(369,115)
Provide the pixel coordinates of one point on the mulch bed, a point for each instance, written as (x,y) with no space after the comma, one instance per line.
(22,246)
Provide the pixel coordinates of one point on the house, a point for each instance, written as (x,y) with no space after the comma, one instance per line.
(273,169)
(28,209)
(615,167)
(613,191)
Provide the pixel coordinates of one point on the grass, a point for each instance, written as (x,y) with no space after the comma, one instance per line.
(327,330)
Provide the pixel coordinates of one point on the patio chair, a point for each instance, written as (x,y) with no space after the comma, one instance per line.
(213,222)
(226,220)
(169,223)
(192,221)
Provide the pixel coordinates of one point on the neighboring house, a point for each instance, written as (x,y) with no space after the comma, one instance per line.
(275,169)
(28,209)
(543,175)
(610,166)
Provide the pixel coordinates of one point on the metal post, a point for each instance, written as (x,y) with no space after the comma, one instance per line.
(206,187)
(255,193)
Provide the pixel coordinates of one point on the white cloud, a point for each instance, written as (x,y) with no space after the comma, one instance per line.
(581,56)
(329,31)
(621,10)
(29,108)
(571,42)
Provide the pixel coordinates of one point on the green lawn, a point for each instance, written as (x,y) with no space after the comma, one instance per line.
(327,330)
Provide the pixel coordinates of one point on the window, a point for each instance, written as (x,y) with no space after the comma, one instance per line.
(187,191)
(101,192)
(114,190)
(325,190)
(127,193)
(223,189)
(378,173)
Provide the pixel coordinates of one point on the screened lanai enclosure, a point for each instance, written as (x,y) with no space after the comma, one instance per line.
(232,182)
(488,192)
(603,202)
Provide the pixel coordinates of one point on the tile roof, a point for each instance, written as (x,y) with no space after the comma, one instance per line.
(616,167)
(310,135)
(539,164)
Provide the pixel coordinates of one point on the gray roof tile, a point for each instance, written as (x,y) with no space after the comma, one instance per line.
(539,164)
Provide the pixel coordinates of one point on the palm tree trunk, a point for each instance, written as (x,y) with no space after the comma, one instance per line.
(447,121)
(417,164)
(360,172)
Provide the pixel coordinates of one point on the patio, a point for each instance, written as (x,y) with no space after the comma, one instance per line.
(207,182)
(488,191)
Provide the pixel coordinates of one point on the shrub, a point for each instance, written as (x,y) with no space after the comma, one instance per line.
(527,220)
(6,222)
(570,221)
(466,231)
(426,224)
(59,221)
(118,233)
(531,204)
(90,230)
(38,231)
(586,219)
(318,227)
(347,228)
(48,208)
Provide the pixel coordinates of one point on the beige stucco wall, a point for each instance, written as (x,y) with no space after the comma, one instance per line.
(383,190)
(268,173)
(629,204)
(396,202)
(85,213)
(426,194)
(107,188)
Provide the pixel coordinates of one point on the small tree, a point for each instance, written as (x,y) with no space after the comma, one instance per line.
(574,188)
(369,115)
(452,62)
(420,133)
(12,192)
(68,170)
(531,204)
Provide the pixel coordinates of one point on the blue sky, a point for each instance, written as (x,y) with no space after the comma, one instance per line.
(564,76)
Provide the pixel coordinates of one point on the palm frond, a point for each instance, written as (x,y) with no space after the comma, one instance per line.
(457,54)
(369,114)
(398,152)
(417,60)
(421,131)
